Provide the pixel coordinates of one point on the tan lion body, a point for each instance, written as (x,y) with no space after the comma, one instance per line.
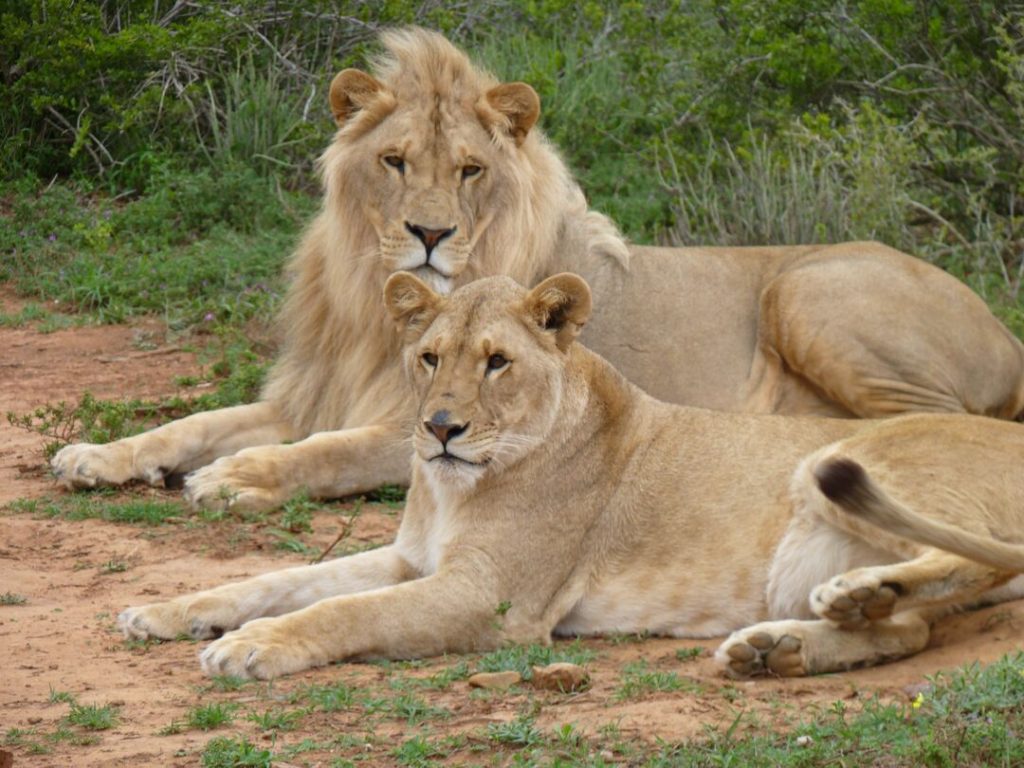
(435,169)
(546,483)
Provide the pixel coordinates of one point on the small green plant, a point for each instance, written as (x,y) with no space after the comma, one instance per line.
(227,683)
(224,752)
(60,697)
(327,698)
(12,598)
(114,566)
(210,716)
(689,654)
(522,658)
(276,719)
(520,732)
(639,680)
(92,717)
(391,496)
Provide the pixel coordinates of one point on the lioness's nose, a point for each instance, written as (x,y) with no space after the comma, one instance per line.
(445,430)
(429,237)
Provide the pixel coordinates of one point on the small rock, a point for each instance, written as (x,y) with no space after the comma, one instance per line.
(35,720)
(495,681)
(804,741)
(562,676)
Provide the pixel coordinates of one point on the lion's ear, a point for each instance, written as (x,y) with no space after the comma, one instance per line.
(351,91)
(515,105)
(561,304)
(411,302)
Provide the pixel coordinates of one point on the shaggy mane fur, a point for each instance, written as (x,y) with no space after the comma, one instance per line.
(339,366)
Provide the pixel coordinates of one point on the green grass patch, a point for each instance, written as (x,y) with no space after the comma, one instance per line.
(101,505)
(207,717)
(522,658)
(12,598)
(92,717)
(638,680)
(225,752)
(276,719)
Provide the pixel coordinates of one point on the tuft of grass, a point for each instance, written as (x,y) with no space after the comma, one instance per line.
(522,658)
(60,697)
(327,698)
(639,680)
(210,716)
(225,752)
(92,717)
(12,598)
(521,732)
(276,719)
(689,654)
(97,505)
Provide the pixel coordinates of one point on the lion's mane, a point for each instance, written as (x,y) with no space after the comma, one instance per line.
(339,362)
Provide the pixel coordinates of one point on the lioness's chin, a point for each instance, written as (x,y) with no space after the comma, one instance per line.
(453,475)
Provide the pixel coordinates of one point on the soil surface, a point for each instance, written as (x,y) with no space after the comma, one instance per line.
(76,576)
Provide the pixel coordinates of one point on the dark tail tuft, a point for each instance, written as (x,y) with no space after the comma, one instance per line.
(843,481)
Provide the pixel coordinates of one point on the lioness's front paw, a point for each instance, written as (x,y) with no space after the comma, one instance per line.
(763,649)
(85,465)
(246,481)
(199,618)
(853,600)
(262,648)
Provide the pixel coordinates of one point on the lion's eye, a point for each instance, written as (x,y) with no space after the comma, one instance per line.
(395,162)
(494,362)
(471,170)
(430,359)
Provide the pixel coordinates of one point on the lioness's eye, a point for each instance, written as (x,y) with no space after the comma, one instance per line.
(470,170)
(395,162)
(494,362)
(430,359)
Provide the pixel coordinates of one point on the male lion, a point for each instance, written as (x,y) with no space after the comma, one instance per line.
(437,168)
(543,480)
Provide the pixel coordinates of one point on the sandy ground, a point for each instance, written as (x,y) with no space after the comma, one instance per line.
(62,639)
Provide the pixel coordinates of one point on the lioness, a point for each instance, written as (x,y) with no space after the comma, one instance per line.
(543,480)
(438,168)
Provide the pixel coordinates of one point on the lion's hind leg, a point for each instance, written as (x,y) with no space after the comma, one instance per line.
(794,648)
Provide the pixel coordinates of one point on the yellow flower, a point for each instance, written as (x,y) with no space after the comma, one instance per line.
(918,701)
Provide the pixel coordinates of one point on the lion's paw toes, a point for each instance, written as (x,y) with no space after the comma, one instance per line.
(260,649)
(854,602)
(233,482)
(85,465)
(172,620)
(758,651)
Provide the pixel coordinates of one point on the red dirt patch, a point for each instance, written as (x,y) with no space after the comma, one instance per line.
(63,638)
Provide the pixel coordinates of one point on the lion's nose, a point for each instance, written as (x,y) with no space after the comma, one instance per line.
(444,430)
(429,237)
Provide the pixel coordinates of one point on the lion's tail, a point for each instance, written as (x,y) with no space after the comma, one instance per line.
(847,484)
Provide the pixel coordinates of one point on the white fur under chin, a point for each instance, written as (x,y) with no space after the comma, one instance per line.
(437,282)
(448,480)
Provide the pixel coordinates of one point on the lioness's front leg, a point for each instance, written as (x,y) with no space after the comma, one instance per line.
(214,611)
(327,465)
(173,448)
(449,611)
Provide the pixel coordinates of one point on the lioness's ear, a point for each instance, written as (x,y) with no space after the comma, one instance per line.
(411,303)
(515,106)
(351,91)
(561,304)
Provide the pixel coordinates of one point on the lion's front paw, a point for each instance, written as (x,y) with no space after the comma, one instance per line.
(85,465)
(853,600)
(200,618)
(246,481)
(262,648)
(770,648)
